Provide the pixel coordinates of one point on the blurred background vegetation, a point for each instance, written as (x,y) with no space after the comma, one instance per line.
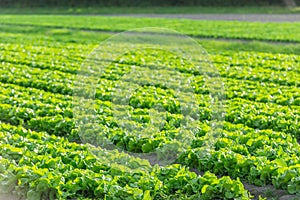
(139,3)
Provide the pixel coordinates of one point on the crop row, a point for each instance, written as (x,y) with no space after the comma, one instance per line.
(80,51)
(265,147)
(225,70)
(239,68)
(41,79)
(261,157)
(115,72)
(275,62)
(68,170)
(253,114)
(129,142)
(262,92)
(264,116)
(59,125)
(258,115)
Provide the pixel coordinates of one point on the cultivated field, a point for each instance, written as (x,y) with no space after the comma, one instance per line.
(43,149)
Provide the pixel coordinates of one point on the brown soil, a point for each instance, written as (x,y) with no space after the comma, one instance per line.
(269,192)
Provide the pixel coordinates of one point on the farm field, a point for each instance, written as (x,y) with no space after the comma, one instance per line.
(42,153)
(287,32)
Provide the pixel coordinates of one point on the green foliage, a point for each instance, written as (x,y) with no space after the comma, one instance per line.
(269,31)
(41,150)
(85,3)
